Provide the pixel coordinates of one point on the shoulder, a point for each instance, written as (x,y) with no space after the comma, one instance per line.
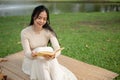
(26,30)
(49,33)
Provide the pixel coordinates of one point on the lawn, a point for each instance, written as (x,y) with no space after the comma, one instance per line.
(93,38)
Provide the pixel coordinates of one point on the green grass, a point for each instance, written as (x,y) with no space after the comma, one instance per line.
(93,38)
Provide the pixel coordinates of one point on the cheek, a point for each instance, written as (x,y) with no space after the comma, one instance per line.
(34,21)
(44,22)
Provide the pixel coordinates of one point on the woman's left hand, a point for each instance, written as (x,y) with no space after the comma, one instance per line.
(48,57)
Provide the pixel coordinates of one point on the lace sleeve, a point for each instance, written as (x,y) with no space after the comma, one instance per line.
(55,44)
(25,45)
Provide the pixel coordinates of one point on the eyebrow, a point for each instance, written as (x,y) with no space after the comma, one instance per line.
(42,16)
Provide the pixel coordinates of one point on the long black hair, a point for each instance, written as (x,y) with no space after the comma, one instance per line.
(35,15)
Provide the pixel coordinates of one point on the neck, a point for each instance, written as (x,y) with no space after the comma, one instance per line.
(36,29)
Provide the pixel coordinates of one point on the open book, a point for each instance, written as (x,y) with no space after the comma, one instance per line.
(43,53)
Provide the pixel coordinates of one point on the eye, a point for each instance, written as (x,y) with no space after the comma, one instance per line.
(45,19)
(39,17)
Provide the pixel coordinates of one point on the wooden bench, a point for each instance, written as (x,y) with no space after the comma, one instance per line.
(83,71)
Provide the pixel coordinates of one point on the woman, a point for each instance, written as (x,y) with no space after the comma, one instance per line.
(35,38)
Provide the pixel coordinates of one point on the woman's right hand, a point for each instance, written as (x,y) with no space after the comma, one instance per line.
(34,54)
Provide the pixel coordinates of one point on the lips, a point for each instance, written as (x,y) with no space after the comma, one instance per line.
(40,24)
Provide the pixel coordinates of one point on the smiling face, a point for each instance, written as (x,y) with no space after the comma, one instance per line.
(40,20)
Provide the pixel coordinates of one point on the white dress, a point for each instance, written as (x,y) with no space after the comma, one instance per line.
(40,68)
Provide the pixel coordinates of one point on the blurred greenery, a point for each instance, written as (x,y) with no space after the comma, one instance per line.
(93,38)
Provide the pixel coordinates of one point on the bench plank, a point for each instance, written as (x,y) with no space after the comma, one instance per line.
(83,71)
